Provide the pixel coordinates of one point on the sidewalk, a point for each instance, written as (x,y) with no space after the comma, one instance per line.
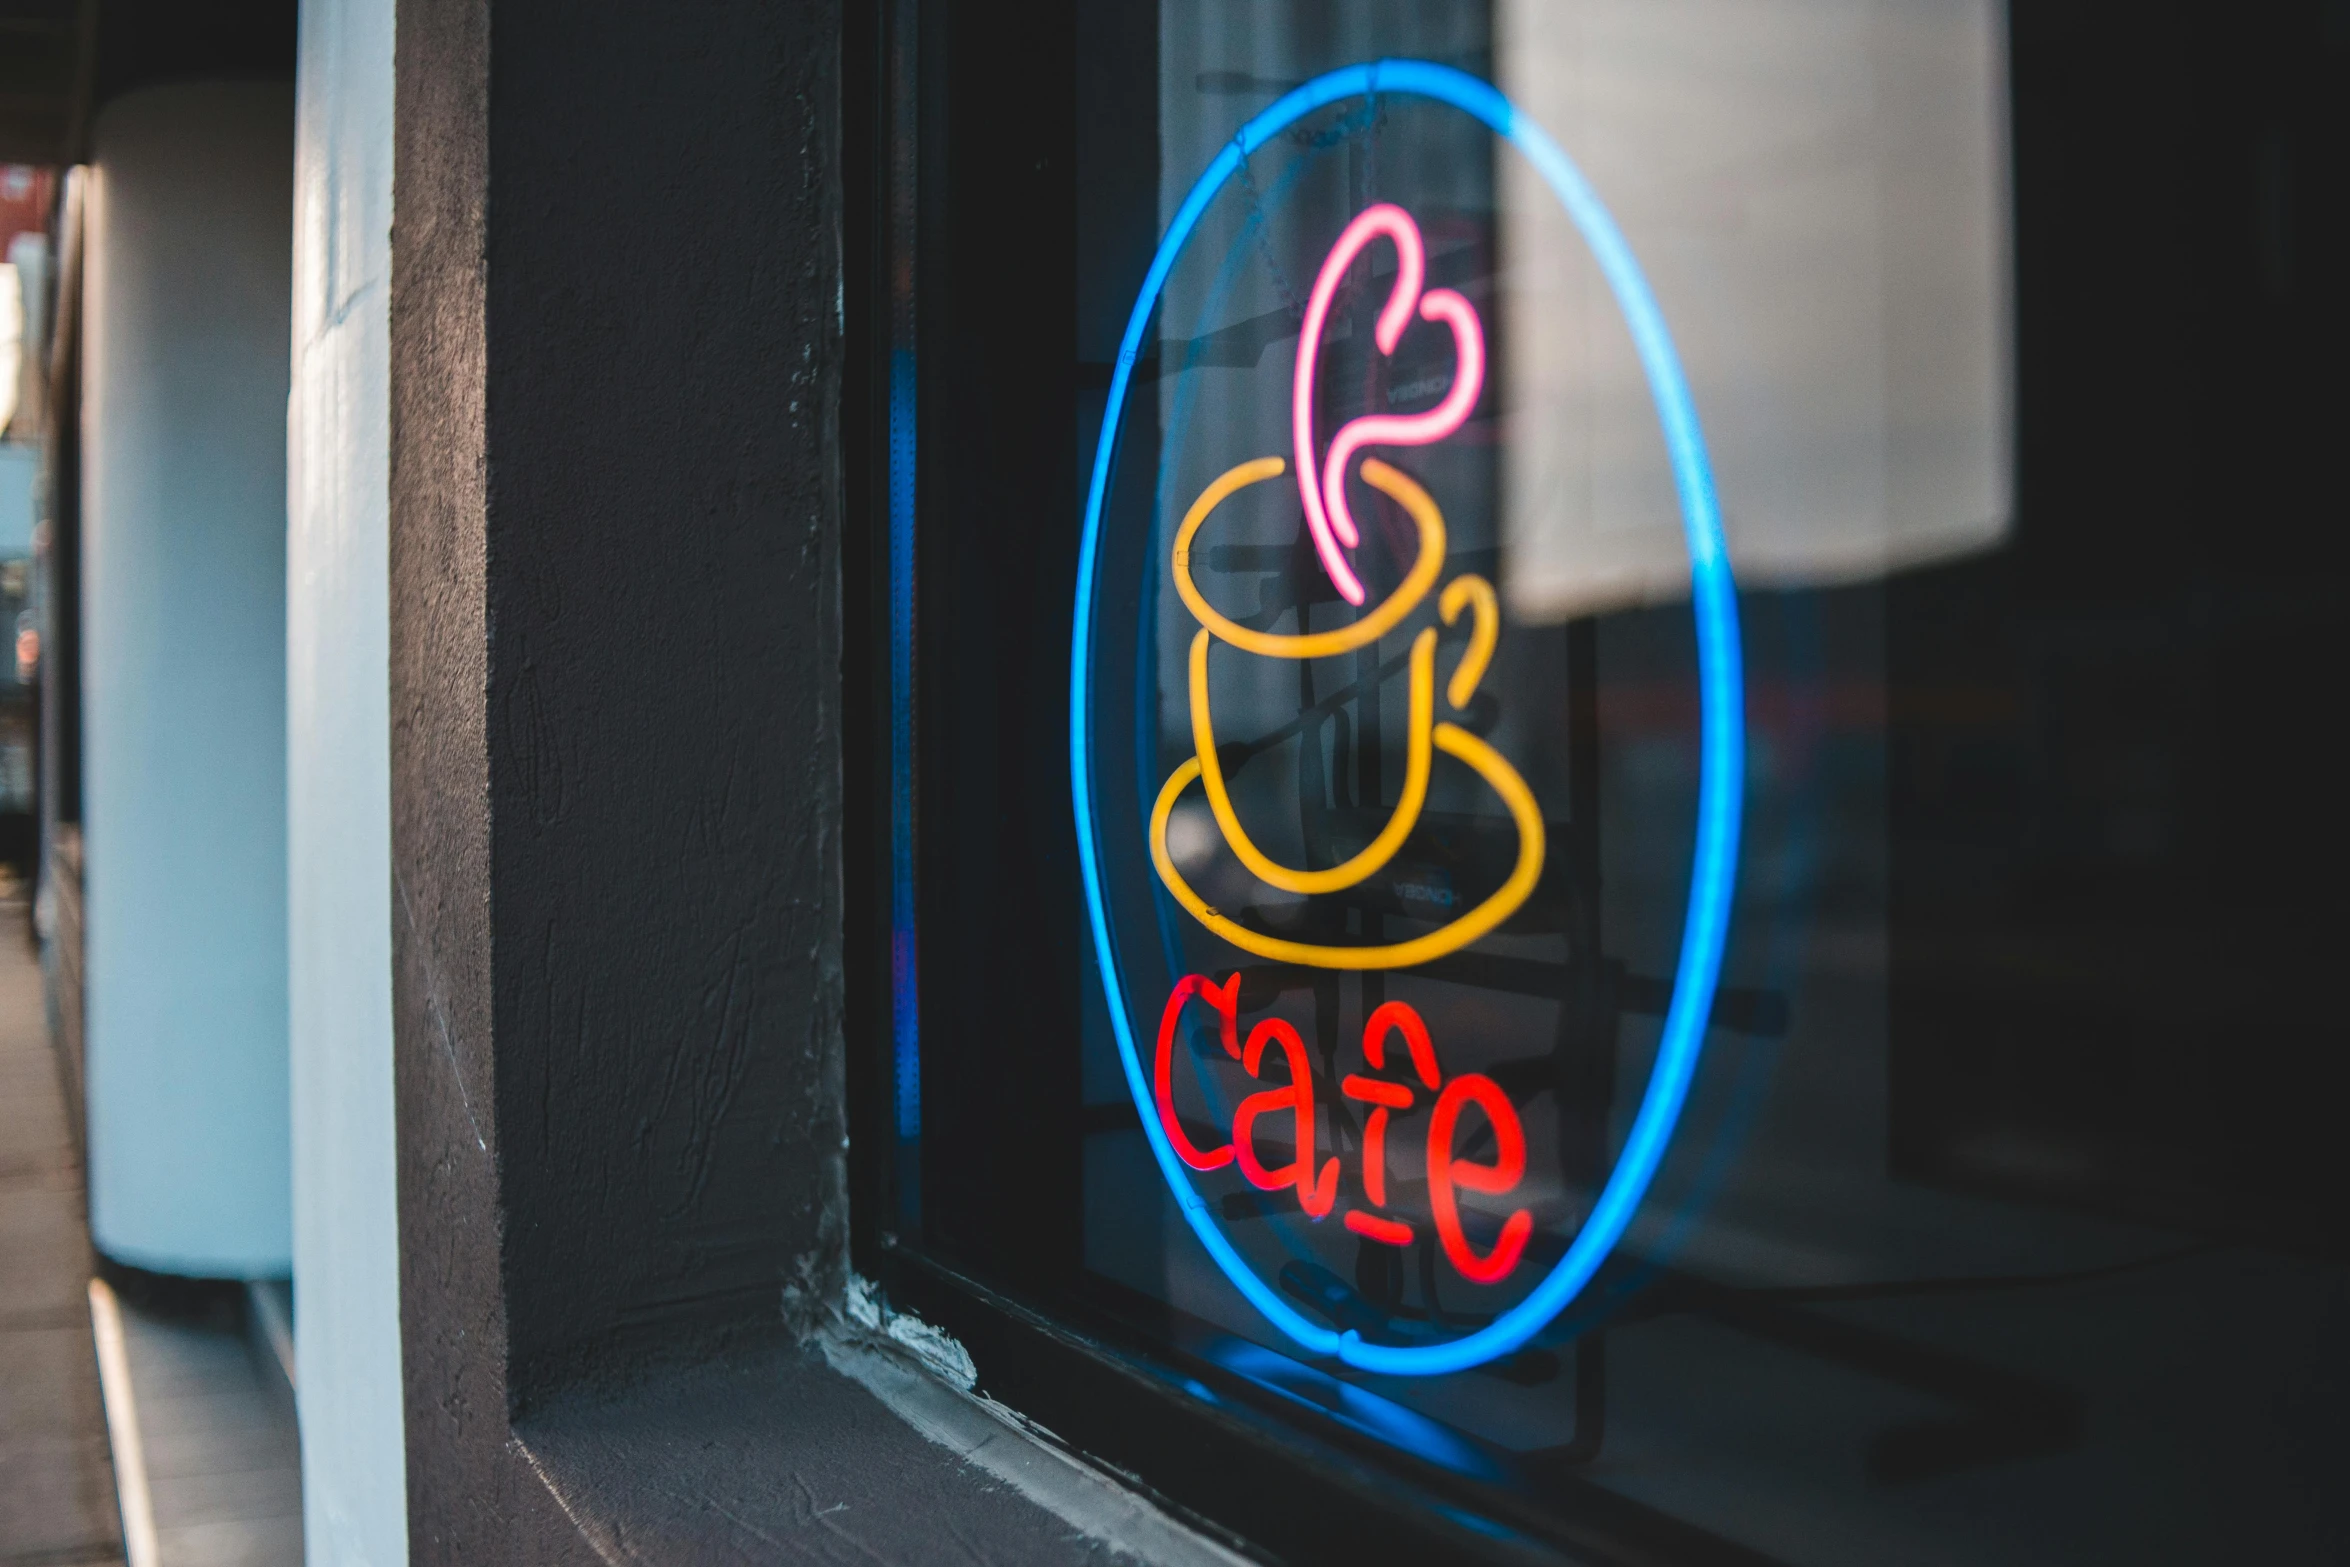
(57,1505)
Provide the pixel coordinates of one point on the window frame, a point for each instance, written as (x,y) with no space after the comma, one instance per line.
(1234,1457)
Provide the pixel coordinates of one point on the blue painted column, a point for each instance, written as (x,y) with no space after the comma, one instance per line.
(339,802)
(187,326)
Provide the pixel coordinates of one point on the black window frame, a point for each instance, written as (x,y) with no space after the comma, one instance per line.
(1231,1456)
(1225,1451)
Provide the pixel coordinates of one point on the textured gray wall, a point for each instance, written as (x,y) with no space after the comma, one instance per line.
(615,757)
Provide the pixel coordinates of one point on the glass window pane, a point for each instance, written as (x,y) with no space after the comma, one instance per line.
(1695,869)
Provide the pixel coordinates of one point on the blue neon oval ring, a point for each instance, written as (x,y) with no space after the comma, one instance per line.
(1721,682)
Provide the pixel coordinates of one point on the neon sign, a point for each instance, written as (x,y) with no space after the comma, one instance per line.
(1317,1185)
(1464,1109)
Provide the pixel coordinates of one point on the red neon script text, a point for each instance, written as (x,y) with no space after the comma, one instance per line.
(1316,1181)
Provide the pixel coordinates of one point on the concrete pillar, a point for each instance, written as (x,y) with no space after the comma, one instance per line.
(183,608)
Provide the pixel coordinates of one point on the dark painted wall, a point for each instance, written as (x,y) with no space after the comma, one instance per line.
(615,697)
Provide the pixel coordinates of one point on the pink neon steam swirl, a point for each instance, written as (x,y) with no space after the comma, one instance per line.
(1322,486)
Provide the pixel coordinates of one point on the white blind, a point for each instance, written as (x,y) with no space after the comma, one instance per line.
(1817,192)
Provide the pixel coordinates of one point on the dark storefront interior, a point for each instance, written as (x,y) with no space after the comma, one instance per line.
(2004,1222)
